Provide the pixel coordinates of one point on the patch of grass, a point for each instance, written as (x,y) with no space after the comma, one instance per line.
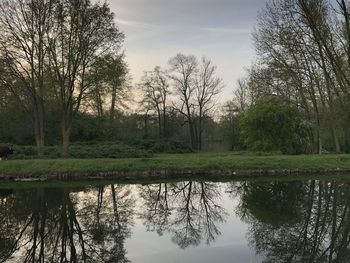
(175,162)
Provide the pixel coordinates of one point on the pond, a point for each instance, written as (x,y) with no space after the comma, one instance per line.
(241,221)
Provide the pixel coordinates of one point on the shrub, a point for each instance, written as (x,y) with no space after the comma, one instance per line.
(162,146)
(84,151)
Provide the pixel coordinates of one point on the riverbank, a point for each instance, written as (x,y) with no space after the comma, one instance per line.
(173,165)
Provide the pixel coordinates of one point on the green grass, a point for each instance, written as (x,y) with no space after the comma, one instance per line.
(175,162)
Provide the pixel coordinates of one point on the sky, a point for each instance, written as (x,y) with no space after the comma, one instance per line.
(156,30)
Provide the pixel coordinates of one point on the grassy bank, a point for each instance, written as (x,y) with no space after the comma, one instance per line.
(173,164)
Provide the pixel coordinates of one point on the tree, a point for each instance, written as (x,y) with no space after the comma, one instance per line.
(275,125)
(80,33)
(24,25)
(208,86)
(196,86)
(183,73)
(109,88)
(155,87)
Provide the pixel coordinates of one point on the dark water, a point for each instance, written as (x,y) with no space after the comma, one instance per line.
(275,221)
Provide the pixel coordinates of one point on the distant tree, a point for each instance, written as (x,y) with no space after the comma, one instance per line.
(207,87)
(110,87)
(196,86)
(183,70)
(155,87)
(275,125)
(229,125)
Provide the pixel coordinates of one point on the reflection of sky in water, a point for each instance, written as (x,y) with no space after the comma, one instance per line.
(178,222)
(230,246)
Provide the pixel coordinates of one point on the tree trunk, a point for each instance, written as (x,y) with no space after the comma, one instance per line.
(319,132)
(146,126)
(39,126)
(199,132)
(159,123)
(334,136)
(165,130)
(319,138)
(199,136)
(192,135)
(65,128)
(195,135)
(112,109)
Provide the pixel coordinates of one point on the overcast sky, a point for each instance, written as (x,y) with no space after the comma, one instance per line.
(156,30)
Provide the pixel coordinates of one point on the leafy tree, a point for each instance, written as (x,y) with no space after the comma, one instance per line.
(80,33)
(275,125)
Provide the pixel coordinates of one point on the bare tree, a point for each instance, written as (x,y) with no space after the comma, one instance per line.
(183,70)
(155,87)
(208,86)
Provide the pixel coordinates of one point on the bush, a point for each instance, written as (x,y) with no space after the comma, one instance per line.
(116,150)
(84,151)
(162,146)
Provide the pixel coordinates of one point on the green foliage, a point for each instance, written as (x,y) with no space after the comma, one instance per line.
(275,125)
(84,151)
(114,150)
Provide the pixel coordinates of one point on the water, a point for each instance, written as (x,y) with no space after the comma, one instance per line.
(247,221)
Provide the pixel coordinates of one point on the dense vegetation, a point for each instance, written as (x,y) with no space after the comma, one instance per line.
(274,125)
(97,149)
(294,99)
(303,49)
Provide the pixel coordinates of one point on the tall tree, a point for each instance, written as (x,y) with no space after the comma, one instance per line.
(208,86)
(24,25)
(183,73)
(302,53)
(81,32)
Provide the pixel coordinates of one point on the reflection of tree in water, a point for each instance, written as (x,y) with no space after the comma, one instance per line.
(108,216)
(188,210)
(51,225)
(298,221)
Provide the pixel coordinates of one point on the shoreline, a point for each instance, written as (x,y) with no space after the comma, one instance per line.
(173,166)
(170,174)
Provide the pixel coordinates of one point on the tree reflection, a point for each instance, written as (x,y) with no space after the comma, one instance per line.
(297,221)
(59,225)
(190,211)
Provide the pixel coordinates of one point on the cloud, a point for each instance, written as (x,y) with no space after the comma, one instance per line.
(138,24)
(232,30)
(163,28)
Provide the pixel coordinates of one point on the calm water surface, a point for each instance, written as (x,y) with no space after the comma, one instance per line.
(247,221)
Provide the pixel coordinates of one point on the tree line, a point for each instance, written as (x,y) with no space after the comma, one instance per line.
(303,58)
(51,52)
(194,89)
(62,60)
